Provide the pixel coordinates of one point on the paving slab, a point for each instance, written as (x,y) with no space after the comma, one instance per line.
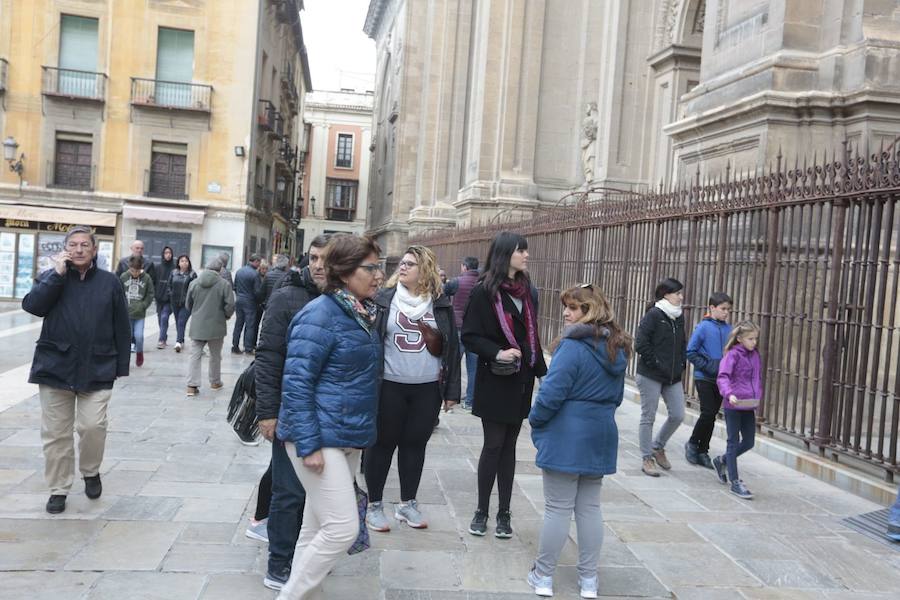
(147,586)
(46,585)
(127,546)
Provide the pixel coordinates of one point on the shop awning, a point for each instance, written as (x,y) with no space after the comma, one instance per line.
(165,215)
(19,212)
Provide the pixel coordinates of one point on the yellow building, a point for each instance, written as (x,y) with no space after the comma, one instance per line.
(177,122)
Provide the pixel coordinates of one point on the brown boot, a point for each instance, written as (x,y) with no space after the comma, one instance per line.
(661,460)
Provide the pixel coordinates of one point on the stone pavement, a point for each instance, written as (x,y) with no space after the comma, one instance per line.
(179,488)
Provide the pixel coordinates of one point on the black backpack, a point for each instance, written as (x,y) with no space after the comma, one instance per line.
(242,408)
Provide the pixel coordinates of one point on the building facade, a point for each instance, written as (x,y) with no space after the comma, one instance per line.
(488,109)
(336,172)
(143,120)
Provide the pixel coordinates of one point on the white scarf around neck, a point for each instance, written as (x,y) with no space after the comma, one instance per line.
(672,311)
(414,307)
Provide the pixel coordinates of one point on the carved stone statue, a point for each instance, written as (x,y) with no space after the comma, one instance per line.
(589,141)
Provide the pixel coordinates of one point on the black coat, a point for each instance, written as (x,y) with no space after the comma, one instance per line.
(295,291)
(270,283)
(450,357)
(161,282)
(661,347)
(505,399)
(85,339)
(177,287)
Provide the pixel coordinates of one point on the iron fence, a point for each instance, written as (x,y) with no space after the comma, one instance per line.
(72,83)
(173,95)
(811,253)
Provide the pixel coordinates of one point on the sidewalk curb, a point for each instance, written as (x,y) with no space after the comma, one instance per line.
(842,477)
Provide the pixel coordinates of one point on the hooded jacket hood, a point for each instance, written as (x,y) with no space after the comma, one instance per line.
(207,278)
(586,334)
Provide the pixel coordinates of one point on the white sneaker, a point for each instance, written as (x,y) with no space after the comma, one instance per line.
(588,586)
(543,586)
(408,512)
(258,530)
(177,346)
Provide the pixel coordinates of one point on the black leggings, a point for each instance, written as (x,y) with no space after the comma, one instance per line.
(264,495)
(498,461)
(406,414)
(710,402)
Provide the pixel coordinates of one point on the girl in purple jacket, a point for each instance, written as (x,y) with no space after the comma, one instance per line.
(740,383)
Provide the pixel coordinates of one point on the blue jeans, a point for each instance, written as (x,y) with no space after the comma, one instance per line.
(137,334)
(245,318)
(894,515)
(471,366)
(285,511)
(165,311)
(182,314)
(741,428)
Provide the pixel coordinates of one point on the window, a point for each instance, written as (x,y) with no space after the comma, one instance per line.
(168,171)
(77,56)
(174,67)
(340,202)
(344,156)
(73,167)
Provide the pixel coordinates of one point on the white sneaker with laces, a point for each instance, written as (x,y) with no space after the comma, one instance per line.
(258,530)
(588,586)
(408,512)
(543,586)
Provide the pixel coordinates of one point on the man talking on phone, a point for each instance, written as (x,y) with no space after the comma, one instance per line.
(83,347)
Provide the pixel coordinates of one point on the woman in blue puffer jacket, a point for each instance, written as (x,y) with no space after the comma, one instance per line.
(574,430)
(329,404)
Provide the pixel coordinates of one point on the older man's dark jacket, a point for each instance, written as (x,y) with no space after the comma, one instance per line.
(296,289)
(273,279)
(86,336)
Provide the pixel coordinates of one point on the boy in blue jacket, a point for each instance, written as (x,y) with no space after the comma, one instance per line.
(704,350)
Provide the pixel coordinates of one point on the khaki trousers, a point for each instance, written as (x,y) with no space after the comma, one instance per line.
(215,361)
(61,411)
(330,520)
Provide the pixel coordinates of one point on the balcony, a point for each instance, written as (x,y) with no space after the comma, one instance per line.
(287,157)
(73,84)
(4,68)
(263,199)
(270,120)
(171,95)
(289,88)
(340,213)
(174,186)
(71,176)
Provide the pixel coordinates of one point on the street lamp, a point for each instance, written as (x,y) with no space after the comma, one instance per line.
(312,206)
(10,148)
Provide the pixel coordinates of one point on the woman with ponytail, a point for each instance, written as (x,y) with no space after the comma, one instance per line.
(500,327)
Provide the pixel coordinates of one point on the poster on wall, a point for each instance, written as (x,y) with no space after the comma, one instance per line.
(7,263)
(49,244)
(104,255)
(24,264)
(210,252)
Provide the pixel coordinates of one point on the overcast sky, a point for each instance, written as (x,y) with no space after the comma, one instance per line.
(340,54)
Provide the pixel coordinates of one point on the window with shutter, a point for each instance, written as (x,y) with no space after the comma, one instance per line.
(174,67)
(73,167)
(168,171)
(78,56)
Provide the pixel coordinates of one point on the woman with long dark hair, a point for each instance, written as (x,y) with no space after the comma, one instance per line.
(662,346)
(176,297)
(500,326)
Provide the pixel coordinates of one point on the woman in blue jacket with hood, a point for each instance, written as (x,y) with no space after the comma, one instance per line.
(574,430)
(329,401)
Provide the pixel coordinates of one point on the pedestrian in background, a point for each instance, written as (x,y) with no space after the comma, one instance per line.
(139,294)
(421,369)
(179,281)
(660,344)
(82,349)
(328,407)
(574,429)
(500,326)
(247,289)
(459,289)
(740,383)
(281,497)
(225,273)
(211,303)
(704,350)
(137,249)
(272,278)
(161,294)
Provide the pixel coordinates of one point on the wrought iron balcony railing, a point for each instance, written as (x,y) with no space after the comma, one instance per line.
(171,95)
(72,83)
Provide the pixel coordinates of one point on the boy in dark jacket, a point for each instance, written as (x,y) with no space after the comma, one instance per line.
(704,350)
(139,293)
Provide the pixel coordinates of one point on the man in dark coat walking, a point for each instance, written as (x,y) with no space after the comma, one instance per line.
(137,249)
(288,497)
(82,349)
(459,289)
(247,290)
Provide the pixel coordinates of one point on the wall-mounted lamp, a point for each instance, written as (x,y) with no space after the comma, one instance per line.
(17,166)
(312,205)
(239,151)
(281,184)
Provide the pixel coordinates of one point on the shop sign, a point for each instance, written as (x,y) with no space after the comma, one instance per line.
(54,227)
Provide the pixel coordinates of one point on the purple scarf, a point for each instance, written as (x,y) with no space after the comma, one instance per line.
(521,290)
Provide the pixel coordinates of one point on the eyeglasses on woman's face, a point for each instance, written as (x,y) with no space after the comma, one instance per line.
(407,264)
(370,268)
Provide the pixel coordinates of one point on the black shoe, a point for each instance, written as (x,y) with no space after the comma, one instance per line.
(504,527)
(478,526)
(236,350)
(92,487)
(56,504)
(250,352)
(691,453)
(705,460)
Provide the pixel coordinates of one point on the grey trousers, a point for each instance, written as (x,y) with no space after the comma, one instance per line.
(215,361)
(673,396)
(563,494)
